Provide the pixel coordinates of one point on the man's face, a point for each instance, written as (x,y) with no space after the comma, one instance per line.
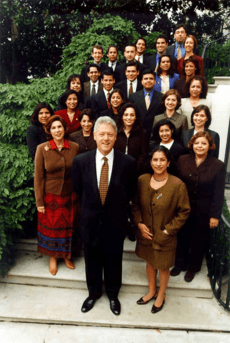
(141,47)
(148,82)
(161,46)
(93,74)
(129,53)
(97,55)
(112,54)
(105,137)
(180,35)
(108,82)
(131,73)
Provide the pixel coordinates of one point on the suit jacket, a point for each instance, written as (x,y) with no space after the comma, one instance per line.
(147,116)
(52,170)
(205,185)
(170,50)
(121,71)
(172,80)
(87,88)
(84,70)
(35,136)
(123,87)
(84,144)
(151,63)
(104,224)
(115,71)
(98,104)
(187,135)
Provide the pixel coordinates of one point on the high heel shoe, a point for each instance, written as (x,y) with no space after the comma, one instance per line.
(141,301)
(156,309)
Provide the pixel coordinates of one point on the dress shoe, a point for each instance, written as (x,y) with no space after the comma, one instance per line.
(53,265)
(115,306)
(189,276)
(175,271)
(88,304)
(69,263)
(156,309)
(141,301)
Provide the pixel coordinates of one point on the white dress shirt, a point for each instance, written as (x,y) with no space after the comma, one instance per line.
(134,84)
(139,58)
(168,145)
(100,162)
(106,92)
(112,66)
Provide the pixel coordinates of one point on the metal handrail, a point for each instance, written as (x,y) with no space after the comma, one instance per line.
(209,43)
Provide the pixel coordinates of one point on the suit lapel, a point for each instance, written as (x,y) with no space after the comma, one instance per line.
(92,174)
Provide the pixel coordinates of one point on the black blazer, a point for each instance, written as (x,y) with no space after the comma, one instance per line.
(187,135)
(98,104)
(123,87)
(205,185)
(147,116)
(84,144)
(121,71)
(115,71)
(170,50)
(104,224)
(84,70)
(35,135)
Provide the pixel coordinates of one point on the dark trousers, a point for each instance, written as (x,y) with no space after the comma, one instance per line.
(99,259)
(192,244)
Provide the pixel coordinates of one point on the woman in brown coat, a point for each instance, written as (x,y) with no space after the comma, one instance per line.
(161,210)
(55,200)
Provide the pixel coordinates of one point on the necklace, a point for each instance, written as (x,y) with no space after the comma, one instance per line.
(161,179)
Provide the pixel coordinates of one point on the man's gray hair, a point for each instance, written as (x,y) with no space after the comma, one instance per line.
(105,120)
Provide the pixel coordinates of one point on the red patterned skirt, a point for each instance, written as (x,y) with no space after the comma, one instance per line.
(55,227)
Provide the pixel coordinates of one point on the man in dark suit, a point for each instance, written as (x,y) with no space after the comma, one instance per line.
(148,101)
(161,45)
(129,53)
(112,54)
(104,180)
(93,86)
(97,54)
(99,102)
(131,84)
(140,49)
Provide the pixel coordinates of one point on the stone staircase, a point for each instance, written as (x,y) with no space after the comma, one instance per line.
(30,294)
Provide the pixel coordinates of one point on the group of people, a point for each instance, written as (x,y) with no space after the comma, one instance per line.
(129,152)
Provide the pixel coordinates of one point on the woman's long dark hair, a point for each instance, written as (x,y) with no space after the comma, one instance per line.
(34,118)
(171,69)
(64,97)
(137,124)
(156,129)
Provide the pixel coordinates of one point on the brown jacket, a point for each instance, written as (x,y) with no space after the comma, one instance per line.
(52,171)
(166,208)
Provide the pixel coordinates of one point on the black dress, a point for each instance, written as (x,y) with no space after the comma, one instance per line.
(35,136)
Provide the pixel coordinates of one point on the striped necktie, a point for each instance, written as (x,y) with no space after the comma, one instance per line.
(104,180)
(147,101)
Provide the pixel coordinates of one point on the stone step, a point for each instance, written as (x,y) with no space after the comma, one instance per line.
(46,305)
(40,333)
(32,269)
(212,88)
(222,80)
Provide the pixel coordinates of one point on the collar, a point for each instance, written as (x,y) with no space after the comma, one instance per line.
(106,92)
(174,116)
(99,155)
(150,93)
(112,63)
(54,146)
(177,44)
(94,83)
(133,82)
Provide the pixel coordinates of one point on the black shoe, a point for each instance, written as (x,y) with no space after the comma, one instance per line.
(141,301)
(115,306)
(189,276)
(156,309)
(175,271)
(88,304)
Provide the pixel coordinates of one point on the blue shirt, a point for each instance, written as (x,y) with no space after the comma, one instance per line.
(182,50)
(150,94)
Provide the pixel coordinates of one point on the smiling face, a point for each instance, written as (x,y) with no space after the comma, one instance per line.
(180,35)
(201,147)
(116,100)
(171,102)
(189,44)
(112,54)
(43,116)
(165,134)
(105,137)
(71,102)
(190,69)
(148,82)
(129,117)
(165,63)
(129,53)
(141,47)
(199,119)
(131,73)
(195,88)
(93,74)
(86,124)
(75,84)
(161,46)
(108,82)
(97,55)
(159,163)
(57,131)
